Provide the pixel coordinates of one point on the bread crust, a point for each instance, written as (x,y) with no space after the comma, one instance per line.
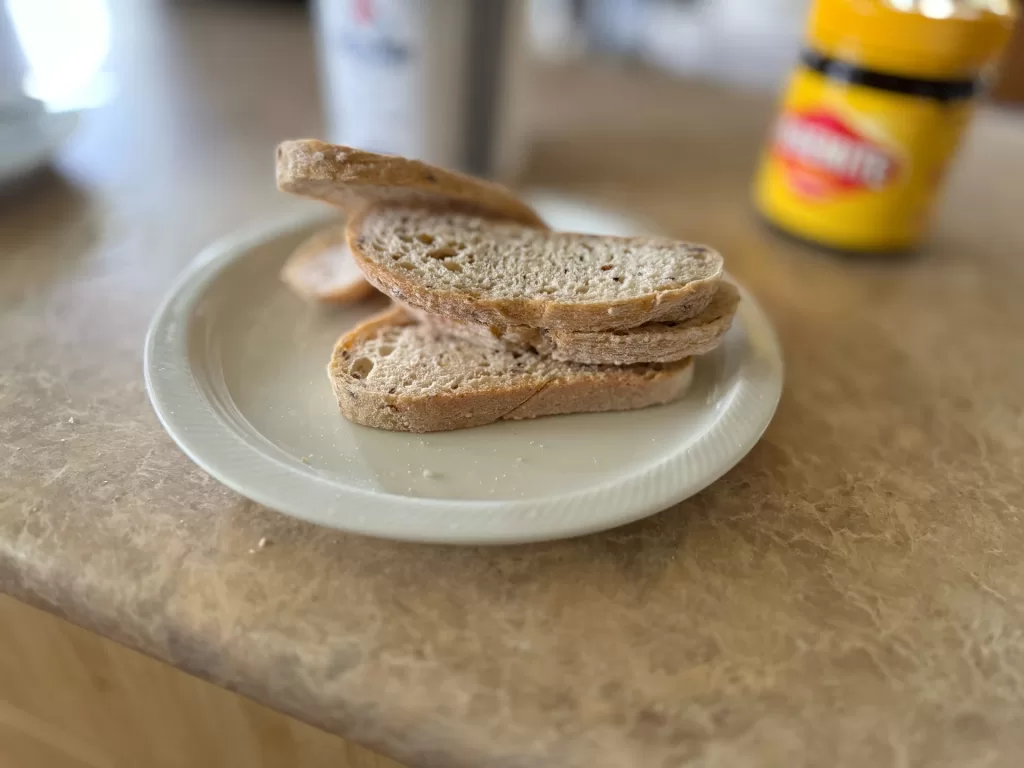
(659,342)
(353,179)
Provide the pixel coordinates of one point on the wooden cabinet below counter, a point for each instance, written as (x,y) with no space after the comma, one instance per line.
(72,699)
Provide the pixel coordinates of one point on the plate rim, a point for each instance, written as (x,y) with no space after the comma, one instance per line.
(187,415)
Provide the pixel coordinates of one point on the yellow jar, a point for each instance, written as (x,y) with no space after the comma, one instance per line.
(872,116)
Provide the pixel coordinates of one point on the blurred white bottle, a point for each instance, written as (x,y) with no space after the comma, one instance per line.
(438,80)
(12,63)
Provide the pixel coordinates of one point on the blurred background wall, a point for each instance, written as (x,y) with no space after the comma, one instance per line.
(751,43)
(742,41)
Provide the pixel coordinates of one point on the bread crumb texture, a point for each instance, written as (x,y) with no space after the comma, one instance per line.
(499,260)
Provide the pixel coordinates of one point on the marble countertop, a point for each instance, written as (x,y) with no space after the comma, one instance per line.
(851,594)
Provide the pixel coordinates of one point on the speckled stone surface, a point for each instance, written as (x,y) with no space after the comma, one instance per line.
(851,594)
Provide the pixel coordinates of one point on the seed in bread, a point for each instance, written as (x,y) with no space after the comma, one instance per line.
(467,267)
(322,269)
(657,342)
(352,179)
(394,373)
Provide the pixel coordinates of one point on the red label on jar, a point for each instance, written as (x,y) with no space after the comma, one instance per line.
(824,156)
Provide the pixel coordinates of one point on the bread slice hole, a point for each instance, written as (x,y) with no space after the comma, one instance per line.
(617,278)
(605,267)
(452,266)
(385,350)
(445,252)
(425,238)
(406,265)
(360,368)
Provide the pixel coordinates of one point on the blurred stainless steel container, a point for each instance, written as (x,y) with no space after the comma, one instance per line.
(438,80)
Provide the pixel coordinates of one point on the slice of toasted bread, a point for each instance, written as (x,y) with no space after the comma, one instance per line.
(322,269)
(658,342)
(352,179)
(467,267)
(392,372)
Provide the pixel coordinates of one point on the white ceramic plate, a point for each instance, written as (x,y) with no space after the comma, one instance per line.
(235,368)
(30,141)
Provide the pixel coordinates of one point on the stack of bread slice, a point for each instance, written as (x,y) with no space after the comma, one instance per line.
(495,316)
